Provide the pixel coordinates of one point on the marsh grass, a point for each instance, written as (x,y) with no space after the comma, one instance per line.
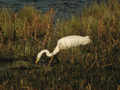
(28,29)
(91,67)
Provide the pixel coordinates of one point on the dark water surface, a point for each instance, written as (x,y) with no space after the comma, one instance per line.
(63,8)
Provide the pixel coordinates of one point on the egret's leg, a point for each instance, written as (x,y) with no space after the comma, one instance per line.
(72,59)
(51,59)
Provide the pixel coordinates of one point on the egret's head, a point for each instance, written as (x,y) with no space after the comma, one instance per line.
(38,58)
(40,55)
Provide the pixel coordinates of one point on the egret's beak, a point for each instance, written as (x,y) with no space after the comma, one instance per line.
(36,61)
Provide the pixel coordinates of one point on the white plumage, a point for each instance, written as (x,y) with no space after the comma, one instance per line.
(65,43)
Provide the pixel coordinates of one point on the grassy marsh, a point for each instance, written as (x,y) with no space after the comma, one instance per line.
(95,67)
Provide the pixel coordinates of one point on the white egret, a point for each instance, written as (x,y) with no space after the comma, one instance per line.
(65,43)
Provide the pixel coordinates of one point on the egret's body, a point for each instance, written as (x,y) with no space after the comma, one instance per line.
(66,43)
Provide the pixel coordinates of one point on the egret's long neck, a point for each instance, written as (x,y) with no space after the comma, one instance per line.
(40,54)
(56,50)
(44,51)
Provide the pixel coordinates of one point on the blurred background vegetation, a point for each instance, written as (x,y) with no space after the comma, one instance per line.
(91,67)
